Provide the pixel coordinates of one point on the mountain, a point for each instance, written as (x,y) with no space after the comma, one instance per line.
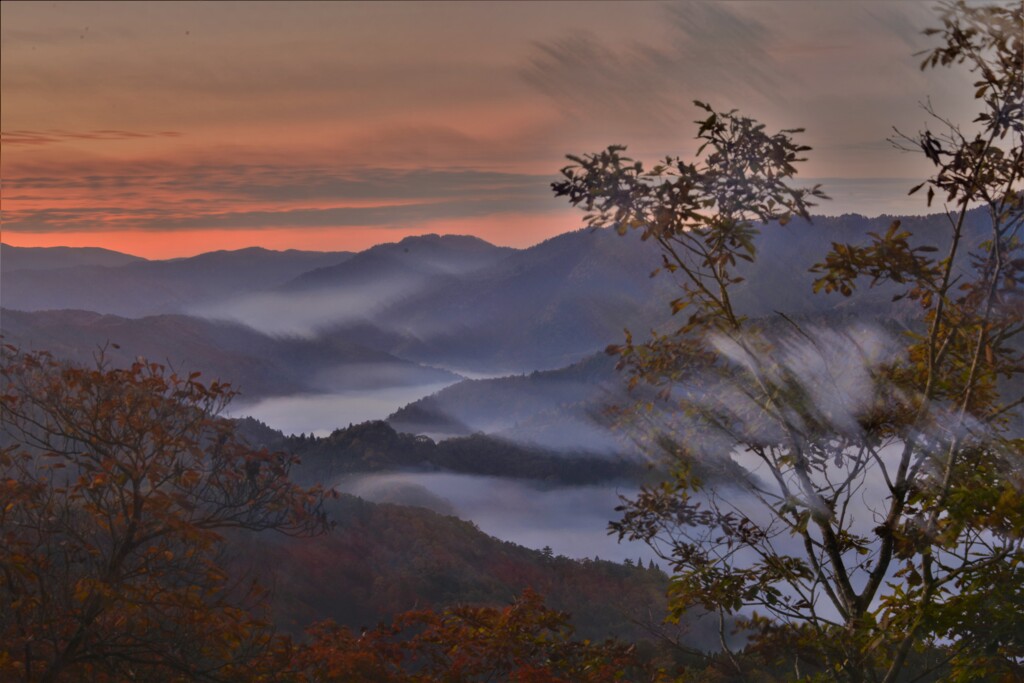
(462,303)
(50,258)
(359,288)
(552,304)
(257,364)
(377,447)
(542,307)
(140,287)
(779,278)
(382,559)
(573,408)
(559,409)
(422,255)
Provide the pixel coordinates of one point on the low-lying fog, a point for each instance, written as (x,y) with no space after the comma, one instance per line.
(320,414)
(305,313)
(573,521)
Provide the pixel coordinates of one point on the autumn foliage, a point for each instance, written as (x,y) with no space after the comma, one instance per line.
(879,516)
(524,641)
(118,486)
(120,493)
(878,534)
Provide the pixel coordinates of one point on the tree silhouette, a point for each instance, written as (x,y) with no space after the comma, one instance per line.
(882,509)
(524,641)
(116,487)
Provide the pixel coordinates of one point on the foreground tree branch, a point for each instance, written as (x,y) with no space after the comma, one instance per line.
(117,488)
(893,464)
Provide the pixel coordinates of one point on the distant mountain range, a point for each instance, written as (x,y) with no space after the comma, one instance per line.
(258,364)
(421,257)
(118,284)
(538,308)
(48,258)
(358,289)
(558,409)
(304,321)
(283,323)
(447,300)
(451,300)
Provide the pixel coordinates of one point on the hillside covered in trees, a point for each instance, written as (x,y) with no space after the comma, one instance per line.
(812,428)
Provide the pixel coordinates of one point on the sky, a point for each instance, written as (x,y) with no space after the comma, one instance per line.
(170,129)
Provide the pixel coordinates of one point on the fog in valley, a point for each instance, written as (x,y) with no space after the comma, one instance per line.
(505,341)
(320,414)
(572,521)
(306,314)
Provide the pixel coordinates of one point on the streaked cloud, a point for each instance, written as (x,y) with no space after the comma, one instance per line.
(711,47)
(151,197)
(49,137)
(844,71)
(174,118)
(400,217)
(274,182)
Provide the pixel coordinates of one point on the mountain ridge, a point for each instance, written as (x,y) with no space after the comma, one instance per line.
(52,258)
(142,287)
(260,365)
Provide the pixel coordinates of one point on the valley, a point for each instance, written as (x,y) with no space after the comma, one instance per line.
(448,342)
(354,363)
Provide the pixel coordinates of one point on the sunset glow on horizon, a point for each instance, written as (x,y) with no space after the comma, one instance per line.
(169,129)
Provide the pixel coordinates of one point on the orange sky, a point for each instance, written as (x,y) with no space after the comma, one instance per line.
(168,129)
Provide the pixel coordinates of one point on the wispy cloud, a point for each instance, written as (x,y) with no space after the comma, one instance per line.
(154,196)
(844,71)
(710,47)
(49,137)
(272,181)
(144,117)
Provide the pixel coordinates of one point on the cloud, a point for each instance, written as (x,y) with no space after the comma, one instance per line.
(264,179)
(711,47)
(731,49)
(394,216)
(844,71)
(345,114)
(320,414)
(402,493)
(306,314)
(145,195)
(49,137)
(211,64)
(573,521)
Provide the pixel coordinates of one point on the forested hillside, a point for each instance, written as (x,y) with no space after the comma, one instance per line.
(256,364)
(383,559)
(712,436)
(377,447)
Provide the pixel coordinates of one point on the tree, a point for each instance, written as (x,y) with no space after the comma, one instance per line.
(881,510)
(117,487)
(524,641)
